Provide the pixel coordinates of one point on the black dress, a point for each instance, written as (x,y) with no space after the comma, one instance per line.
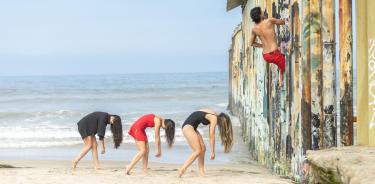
(93,123)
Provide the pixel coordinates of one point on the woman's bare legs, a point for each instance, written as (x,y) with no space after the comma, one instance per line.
(145,158)
(141,145)
(193,140)
(94,151)
(88,145)
(201,156)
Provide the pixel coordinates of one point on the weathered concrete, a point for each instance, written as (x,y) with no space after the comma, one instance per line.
(352,164)
(329,123)
(256,96)
(234,3)
(366,72)
(371,62)
(346,73)
(281,124)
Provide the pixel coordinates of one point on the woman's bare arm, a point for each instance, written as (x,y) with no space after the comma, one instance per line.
(157,136)
(103,146)
(213,122)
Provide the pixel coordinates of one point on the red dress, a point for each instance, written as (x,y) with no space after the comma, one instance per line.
(137,130)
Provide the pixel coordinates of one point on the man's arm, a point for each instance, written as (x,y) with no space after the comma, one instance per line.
(277,21)
(253,42)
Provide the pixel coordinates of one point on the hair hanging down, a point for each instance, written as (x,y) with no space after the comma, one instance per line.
(226,131)
(169,131)
(255,14)
(116,129)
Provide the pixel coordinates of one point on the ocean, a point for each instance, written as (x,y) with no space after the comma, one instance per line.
(39,114)
(42,111)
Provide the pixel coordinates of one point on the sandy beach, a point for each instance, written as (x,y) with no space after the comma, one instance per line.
(54,167)
(40,136)
(36,172)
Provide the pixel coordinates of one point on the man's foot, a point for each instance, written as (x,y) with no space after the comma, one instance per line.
(181,172)
(74,164)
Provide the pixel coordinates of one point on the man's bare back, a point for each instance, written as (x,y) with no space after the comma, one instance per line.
(265,30)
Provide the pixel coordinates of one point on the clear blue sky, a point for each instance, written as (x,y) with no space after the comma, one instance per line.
(44,37)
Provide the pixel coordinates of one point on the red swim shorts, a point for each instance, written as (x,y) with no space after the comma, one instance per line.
(138,133)
(277,58)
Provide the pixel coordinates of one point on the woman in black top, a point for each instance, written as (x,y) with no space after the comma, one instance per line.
(195,140)
(96,123)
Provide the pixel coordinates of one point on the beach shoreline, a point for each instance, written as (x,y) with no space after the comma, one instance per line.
(59,171)
(41,139)
(175,155)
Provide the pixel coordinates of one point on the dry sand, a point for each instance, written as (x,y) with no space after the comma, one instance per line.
(54,172)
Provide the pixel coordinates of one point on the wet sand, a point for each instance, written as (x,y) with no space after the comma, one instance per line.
(53,165)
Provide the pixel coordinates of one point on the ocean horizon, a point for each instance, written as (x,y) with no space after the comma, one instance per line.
(39,114)
(42,111)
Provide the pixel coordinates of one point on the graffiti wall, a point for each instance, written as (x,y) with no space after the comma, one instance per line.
(371,78)
(281,122)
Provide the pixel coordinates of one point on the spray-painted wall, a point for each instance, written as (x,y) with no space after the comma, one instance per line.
(281,123)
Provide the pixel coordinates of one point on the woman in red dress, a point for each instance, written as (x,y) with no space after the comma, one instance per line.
(137,131)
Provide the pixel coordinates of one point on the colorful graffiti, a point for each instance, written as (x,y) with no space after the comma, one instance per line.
(371,68)
(281,123)
(329,124)
(346,73)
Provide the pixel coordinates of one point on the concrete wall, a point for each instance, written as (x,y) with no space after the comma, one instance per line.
(366,72)
(371,60)
(280,124)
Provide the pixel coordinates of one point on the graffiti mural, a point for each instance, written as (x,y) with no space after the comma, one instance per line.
(329,124)
(371,69)
(346,73)
(281,123)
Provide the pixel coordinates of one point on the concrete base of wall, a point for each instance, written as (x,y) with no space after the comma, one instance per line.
(354,164)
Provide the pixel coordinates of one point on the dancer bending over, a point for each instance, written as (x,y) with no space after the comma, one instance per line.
(137,131)
(195,140)
(96,123)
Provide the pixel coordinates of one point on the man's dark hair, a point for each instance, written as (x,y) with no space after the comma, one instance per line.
(255,14)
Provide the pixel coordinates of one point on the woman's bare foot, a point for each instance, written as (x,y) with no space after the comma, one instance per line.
(98,167)
(127,172)
(74,164)
(202,173)
(145,171)
(181,172)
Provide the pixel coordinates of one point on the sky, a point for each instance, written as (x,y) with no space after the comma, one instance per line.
(59,37)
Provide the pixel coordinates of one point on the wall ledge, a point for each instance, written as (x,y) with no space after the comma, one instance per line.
(352,164)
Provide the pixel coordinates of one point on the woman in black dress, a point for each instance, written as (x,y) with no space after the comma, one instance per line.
(209,118)
(96,123)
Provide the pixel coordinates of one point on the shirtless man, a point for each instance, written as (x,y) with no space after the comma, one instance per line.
(264,29)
